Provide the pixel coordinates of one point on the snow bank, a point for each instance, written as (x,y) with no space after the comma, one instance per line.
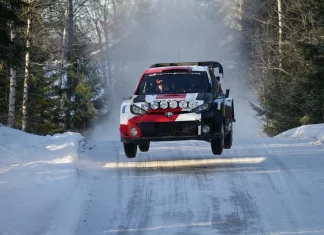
(37,173)
(18,148)
(315,131)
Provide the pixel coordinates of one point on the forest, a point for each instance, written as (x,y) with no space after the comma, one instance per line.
(65,63)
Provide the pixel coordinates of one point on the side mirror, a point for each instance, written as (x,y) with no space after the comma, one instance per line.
(127,97)
(227,93)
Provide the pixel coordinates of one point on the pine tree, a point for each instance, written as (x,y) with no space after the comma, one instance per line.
(10,51)
(287,60)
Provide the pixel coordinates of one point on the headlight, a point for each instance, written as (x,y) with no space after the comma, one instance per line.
(145,106)
(205,129)
(173,104)
(133,131)
(137,110)
(154,105)
(163,104)
(192,104)
(183,104)
(201,108)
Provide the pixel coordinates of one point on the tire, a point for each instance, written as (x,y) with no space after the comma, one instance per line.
(217,145)
(228,140)
(144,147)
(130,150)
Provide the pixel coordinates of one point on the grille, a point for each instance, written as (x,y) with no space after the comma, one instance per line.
(164,129)
(163,113)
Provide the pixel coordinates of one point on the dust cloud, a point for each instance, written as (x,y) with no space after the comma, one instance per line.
(173,30)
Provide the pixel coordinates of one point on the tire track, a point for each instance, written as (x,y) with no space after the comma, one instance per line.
(234,196)
(246,218)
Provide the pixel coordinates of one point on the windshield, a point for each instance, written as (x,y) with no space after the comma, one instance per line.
(174,82)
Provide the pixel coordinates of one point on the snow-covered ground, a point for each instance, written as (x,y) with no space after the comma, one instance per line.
(37,177)
(63,185)
(315,132)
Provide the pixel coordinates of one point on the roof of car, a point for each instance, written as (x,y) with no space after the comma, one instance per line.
(185,68)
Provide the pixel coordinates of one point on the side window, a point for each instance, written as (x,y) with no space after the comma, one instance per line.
(141,88)
(214,80)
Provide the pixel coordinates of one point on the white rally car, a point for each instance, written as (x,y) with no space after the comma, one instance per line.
(178,101)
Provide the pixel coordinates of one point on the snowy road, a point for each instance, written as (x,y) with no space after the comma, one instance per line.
(260,186)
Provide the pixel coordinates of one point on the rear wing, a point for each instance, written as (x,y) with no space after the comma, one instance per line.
(209,64)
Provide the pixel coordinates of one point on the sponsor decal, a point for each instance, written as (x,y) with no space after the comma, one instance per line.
(124,109)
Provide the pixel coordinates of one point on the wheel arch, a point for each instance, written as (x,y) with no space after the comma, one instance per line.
(229,108)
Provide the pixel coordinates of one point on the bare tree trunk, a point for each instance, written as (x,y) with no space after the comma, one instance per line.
(27,66)
(12,91)
(115,19)
(115,36)
(102,56)
(280,31)
(107,52)
(69,60)
(70,30)
(241,9)
(65,63)
(62,69)
(63,48)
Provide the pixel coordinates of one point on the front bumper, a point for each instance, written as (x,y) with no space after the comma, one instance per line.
(169,138)
(160,128)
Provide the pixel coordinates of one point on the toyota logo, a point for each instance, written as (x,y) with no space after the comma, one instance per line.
(168,114)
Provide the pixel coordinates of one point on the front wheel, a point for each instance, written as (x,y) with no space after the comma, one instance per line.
(217,145)
(130,150)
(228,140)
(144,147)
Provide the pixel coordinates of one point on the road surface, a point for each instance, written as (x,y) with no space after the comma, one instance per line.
(260,186)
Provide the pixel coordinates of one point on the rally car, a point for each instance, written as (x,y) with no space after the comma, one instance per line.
(178,101)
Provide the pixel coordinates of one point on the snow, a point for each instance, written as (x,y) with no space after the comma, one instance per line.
(37,174)
(61,184)
(315,132)
(260,186)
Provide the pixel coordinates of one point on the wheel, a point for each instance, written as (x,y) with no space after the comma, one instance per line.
(217,145)
(130,150)
(228,140)
(144,147)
